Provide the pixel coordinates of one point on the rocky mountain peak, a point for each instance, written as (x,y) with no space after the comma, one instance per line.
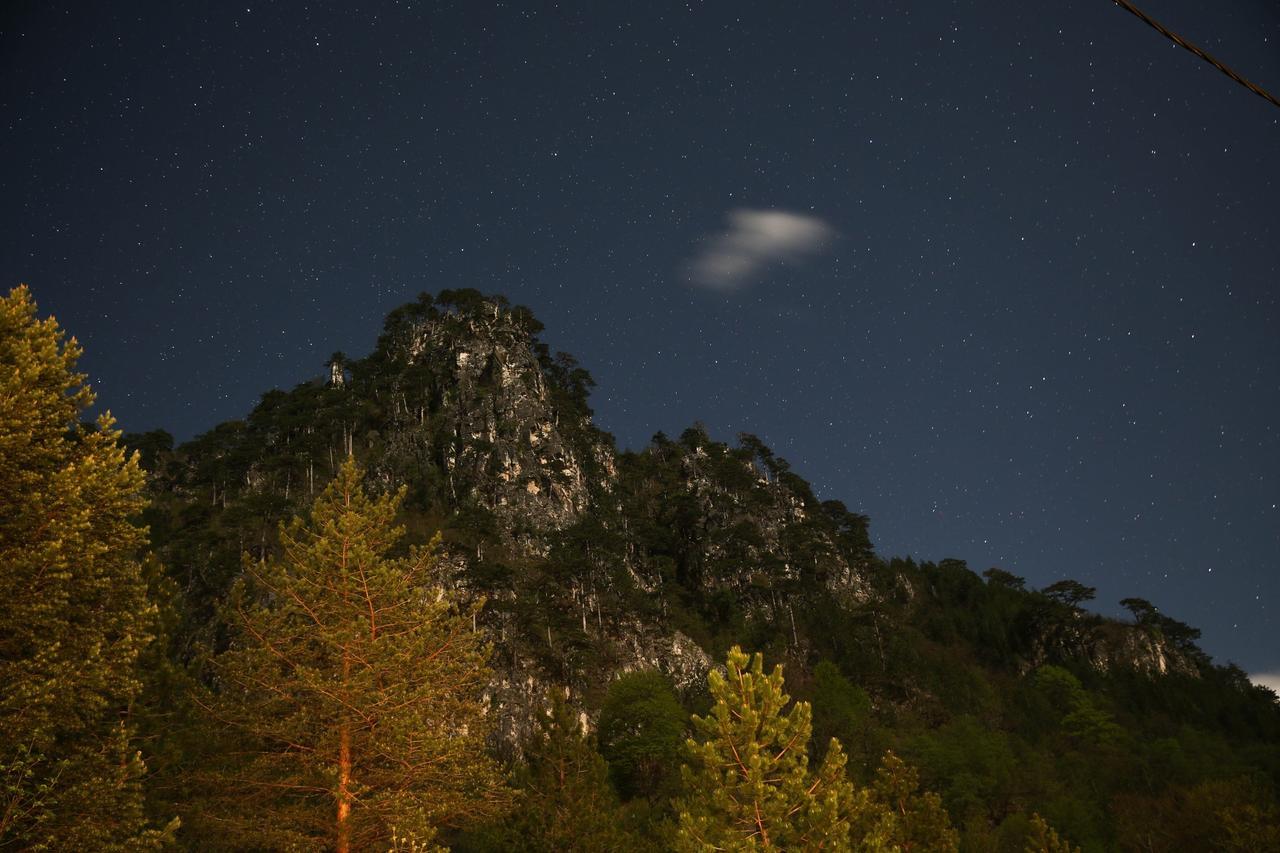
(595,562)
(506,422)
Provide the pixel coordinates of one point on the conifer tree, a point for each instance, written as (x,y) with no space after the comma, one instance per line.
(1044,839)
(642,733)
(748,785)
(903,818)
(567,803)
(355,683)
(73,609)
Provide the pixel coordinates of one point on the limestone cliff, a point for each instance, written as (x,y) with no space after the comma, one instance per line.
(473,395)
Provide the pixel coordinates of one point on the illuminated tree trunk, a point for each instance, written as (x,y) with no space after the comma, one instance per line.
(344,733)
(344,790)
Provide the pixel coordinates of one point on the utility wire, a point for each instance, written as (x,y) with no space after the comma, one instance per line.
(1181,42)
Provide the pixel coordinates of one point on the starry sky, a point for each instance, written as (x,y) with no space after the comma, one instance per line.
(1003,276)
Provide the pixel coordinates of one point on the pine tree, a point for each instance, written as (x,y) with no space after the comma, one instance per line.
(748,785)
(73,609)
(903,818)
(567,803)
(1044,839)
(355,683)
(642,732)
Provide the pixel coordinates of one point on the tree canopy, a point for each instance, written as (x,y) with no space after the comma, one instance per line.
(73,606)
(748,783)
(354,682)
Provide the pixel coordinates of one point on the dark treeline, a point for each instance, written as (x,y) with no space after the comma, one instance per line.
(422,601)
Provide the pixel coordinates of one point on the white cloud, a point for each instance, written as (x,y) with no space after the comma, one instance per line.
(1267,679)
(754,239)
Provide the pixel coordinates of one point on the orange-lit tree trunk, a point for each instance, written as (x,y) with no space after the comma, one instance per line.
(344,790)
(344,732)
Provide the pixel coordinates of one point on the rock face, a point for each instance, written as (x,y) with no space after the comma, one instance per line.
(1119,646)
(489,415)
(521,686)
(478,403)
(753,527)
(1110,646)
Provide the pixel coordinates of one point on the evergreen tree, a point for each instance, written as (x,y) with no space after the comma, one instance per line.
(567,804)
(999,577)
(355,682)
(642,729)
(1144,612)
(905,819)
(748,785)
(1044,839)
(1070,592)
(74,615)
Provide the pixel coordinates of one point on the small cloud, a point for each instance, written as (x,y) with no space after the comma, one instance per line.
(754,239)
(1269,680)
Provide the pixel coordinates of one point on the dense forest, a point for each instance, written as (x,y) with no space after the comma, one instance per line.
(422,601)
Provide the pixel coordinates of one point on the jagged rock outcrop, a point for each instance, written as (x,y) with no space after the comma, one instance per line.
(1134,647)
(1114,646)
(752,527)
(593,562)
(472,397)
(1110,646)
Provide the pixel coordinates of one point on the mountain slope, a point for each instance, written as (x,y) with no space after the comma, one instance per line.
(596,562)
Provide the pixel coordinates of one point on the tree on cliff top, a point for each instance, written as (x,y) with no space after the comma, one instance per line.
(354,683)
(1070,592)
(73,609)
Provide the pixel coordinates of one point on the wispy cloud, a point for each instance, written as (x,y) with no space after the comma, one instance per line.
(1267,679)
(753,240)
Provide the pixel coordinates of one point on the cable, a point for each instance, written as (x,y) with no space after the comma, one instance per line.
(1181,42)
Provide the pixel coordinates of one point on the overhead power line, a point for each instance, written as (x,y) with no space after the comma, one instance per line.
(1181,42)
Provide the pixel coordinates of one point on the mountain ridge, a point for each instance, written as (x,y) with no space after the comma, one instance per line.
(598,564)
(492,434)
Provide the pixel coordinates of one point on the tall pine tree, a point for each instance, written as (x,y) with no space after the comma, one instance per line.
(73,608)
(353,686)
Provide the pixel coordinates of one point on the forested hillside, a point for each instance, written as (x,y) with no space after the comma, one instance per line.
(601,589)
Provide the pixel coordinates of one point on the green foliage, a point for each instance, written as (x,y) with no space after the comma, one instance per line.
(1008,580)
(748,785)
(1144,612)
(987,687)
(904,818)
(1072,593)
(74,616)
(1235,814)
(1078,716)
(566,802)
(642,728)
(971,764)
(842,711)
(1043,839)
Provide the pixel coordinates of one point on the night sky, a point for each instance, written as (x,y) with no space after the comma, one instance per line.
(1004,276)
